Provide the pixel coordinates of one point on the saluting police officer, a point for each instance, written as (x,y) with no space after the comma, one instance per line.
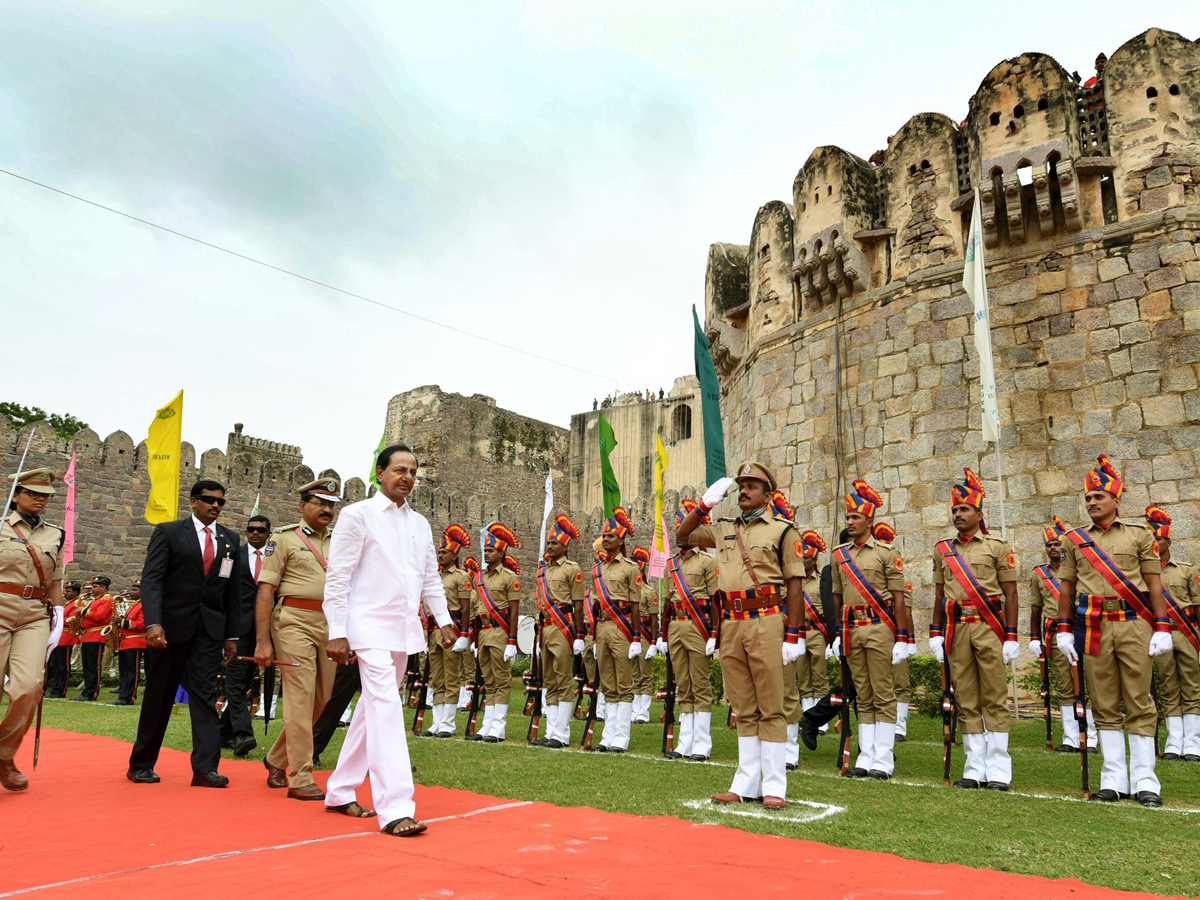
(758,555)
(1179,668)
(295,631)
(1112,619)
(30,610)
(975,622)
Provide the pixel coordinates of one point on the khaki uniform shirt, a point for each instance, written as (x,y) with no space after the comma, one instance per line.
(1131,547)
(699,572)
(290,566)
(775,550)
(564,582)
(991,560)
(16,565)
(504,587)
(624,581)
(812,587)
(457,585)
(1181,580)
(648,604)
(879,563)
(1040,597)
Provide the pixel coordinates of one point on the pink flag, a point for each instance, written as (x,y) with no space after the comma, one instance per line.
(658,558)
(68,550)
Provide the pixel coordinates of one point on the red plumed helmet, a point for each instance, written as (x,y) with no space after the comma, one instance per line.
(510,562)
(641,556)
(867,492)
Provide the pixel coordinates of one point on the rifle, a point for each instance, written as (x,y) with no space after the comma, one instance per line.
(477,692)
(534,706)
(947,716)
(843,757)
(1081,719)
(1154,697)
(590,721)
(412,680)
(1046,695)
(581,685)
(668,738)
(422,699)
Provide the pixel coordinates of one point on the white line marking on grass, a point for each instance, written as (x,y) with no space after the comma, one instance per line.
(820,811)
(231,853)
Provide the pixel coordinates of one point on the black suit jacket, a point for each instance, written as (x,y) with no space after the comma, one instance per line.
(248,592)
(175,592)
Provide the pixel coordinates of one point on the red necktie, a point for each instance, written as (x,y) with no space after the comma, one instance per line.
(209,552)
(257,564)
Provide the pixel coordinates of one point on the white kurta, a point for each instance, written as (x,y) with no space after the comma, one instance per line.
(381,563)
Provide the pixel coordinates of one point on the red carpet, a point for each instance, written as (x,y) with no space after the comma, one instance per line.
(82,830)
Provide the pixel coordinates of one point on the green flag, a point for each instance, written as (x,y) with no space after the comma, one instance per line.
(382,443)
(710,406)
(612,490)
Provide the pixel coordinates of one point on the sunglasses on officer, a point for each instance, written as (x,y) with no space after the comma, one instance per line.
(256,529)
(210,500)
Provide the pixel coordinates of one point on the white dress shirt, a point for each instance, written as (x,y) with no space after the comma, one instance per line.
(200,526)
(251,559)
(381,563)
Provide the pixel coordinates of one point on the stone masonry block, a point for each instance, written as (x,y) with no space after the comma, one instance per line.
(1112,268)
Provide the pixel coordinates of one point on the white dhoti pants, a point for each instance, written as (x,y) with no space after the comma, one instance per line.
(377,741)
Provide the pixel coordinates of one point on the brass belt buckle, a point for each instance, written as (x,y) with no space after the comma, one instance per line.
(1111,605)
(27,592)
(737,604)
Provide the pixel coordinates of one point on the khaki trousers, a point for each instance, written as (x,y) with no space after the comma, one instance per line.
(643,671)
(752,668)
(24,631)
(612,656)
(497,674)
(977,670)
(791,692)
(902,680)
(300,635)
(558,665)
(870,660)
(812,669)
(589,659)
(1179,678)
(445,670)
(1121,672)
(693,689)
(1064,682)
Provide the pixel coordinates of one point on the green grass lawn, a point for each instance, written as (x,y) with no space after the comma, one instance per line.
(1038,829)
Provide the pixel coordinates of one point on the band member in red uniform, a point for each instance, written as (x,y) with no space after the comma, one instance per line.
(133,642)
(94,614)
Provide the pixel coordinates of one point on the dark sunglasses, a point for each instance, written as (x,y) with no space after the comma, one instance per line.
(255,529)
(210,499)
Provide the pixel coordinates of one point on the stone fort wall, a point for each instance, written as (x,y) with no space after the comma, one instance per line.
(844,339)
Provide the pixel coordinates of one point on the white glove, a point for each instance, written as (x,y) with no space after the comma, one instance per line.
(935,647)
(792,652)
(899,652)
(829,651)
(1035,647)
(837,647)
(1010,651)
(652,651)
(577,647)
(510,652)
(662,647)
(912,649)
(460,645)
(474,649)
(635,649)
(56,627)
(1160,643)
(1066,646)
(716,491)
(710,648)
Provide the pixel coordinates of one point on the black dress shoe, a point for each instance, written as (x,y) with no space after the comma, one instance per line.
(996,786)
(120,703)
(56,696)
(1106,795)
(1191,757)
(968,784)
(878,775)
(791,767)
(698,757)
(601,748)
(227,743)
(552,744)
(84,699)
(491,739)
(1066,748)
(473,737)
(901,739)
(616,749)
(142,776)
(673,754)
(243,745)
(1148,799)
(316,762)
(1170,757)
(213,779)
(808,733)
(857,772)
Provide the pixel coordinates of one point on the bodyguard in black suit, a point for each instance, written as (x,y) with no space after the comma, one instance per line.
(191,596)
(237,730)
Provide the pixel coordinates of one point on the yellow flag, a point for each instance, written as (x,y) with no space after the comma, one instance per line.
(162,462)
(661,549)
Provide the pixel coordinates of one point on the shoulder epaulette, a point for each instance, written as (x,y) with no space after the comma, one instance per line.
(282,528)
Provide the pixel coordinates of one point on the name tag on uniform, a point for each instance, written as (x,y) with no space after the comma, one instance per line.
(226,568)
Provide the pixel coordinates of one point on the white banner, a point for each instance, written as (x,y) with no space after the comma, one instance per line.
(975,284)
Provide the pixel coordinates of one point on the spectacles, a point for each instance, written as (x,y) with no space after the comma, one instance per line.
(211,500)
(255,529)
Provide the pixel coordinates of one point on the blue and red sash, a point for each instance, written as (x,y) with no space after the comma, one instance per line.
(421,611)
(1111,572)
(690,604)
(814,617)
(547,606)
(853,574)
(604,596)
(975,594)
(1180,618)
(1050,581)
(497,615)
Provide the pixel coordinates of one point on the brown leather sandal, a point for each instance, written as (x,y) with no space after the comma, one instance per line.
(353,810)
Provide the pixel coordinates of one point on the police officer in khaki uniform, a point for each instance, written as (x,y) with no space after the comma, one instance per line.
(30,609)
(643,668)
(868,592)
(1043,610)
(617,590)
(295,630)
(1178,669)
(497,605)
(687,624)
(812,669)
(1111,616)
(760,566)
(558,596)
(902,677)
(445,666)
(975,622)
(795,679)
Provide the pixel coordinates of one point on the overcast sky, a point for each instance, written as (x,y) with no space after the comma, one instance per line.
(547,175)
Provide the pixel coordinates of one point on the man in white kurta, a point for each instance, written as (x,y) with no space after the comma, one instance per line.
(381,563)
